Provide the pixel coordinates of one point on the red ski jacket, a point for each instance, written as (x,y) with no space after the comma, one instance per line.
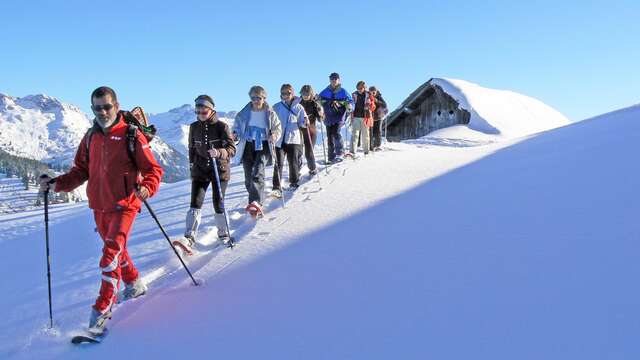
(111,173)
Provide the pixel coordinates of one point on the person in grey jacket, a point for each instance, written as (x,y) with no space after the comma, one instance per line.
(256,128)
(209,138)
(293,118)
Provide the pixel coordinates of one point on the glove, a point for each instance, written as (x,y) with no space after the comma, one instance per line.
(214,153)
(142,193)
(45,182)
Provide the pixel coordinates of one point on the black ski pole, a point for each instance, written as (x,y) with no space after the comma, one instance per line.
(46,235)
(224,209)
(277,167)
(346,132)
(311,145)
(324,150)
(169,240)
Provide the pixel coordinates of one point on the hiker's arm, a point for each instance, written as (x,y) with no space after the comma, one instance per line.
(79,172)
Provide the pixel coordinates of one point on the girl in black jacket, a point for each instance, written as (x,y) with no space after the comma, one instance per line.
(209,138)
(314,113)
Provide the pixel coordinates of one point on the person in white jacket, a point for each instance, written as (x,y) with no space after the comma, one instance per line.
(256,127)
(293,118)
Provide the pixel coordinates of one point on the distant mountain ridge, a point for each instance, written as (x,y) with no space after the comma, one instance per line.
(174,124)
(44,128)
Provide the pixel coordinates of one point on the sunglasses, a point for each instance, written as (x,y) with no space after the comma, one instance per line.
(285,93)
(256,98)
(105,107)
(202,111)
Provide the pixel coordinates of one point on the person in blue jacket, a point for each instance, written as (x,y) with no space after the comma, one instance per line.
(336,103)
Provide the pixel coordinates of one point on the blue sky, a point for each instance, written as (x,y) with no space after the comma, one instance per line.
(580,57)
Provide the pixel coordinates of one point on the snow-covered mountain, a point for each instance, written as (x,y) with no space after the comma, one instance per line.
(41,127)
(174,124)
(44,128)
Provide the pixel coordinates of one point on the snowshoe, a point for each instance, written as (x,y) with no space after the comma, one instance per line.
(276,193)
(89,338)
(226,240)
(185,245)
(255,210)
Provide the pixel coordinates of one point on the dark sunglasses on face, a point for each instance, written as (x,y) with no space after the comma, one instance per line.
(256,98)
(105,107)
(285,93)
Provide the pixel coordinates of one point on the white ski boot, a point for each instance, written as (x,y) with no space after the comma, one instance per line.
(98,321)
(133,290)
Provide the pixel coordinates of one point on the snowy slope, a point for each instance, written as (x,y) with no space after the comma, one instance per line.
(501,112)
(174,125)
(13,196)
(509,250)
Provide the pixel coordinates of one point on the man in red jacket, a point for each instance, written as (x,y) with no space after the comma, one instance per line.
(118,182)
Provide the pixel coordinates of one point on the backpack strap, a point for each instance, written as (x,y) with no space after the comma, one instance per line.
(131,143)
(87,142)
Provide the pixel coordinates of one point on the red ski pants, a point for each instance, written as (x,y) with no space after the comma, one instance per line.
(115,264)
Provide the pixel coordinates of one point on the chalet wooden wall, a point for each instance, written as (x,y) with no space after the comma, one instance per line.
(432,110)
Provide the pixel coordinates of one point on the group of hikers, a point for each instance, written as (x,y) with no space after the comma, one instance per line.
(116,160)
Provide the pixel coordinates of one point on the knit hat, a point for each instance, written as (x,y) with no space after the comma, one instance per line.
(206,101)
(334,75)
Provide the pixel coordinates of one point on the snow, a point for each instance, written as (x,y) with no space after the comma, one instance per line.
(456,136)
(500,112)
(470,247)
